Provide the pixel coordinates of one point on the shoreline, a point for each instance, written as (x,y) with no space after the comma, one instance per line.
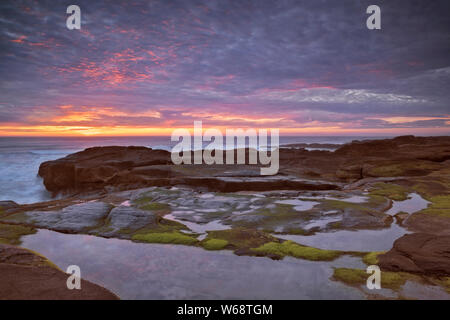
(136,194)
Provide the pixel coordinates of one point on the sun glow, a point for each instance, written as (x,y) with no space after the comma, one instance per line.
(57,130)
(408,119)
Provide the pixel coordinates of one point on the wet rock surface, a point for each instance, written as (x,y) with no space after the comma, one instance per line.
(396,185)
(126,218)
(26,275)
(134,167)
(73,218)
(96,167)
(419,253)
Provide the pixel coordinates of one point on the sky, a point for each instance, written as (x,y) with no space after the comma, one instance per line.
(147,67)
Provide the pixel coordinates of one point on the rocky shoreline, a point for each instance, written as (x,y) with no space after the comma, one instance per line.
(136,193)
(25,275)
(133,167)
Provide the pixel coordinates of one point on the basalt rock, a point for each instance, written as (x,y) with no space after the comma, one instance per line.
(95,167)
(137,167)
(73,219)
(25,275)
(420,253)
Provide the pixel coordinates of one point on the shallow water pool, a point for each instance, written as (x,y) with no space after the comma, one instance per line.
(359,240)
(153,271)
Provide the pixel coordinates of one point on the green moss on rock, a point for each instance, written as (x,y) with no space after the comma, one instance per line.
(430,186)
(143,200)
(350,276)
(403,168)
(440,205)
(146,202)
(155,206)
(167,237)
(273,217)
(240,238)
(11,234)
(371,258)
(364,207)
(391,191)
(389,280)
(290,248)
(214,244)
(445,282)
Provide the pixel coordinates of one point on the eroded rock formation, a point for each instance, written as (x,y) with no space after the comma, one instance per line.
(134,167)
(419,253)
(25,275)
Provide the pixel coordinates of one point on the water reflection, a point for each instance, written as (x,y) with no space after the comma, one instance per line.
(299,205)
(360,240)
(151,271)
(414,203)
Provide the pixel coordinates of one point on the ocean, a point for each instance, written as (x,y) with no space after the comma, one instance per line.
(20,157)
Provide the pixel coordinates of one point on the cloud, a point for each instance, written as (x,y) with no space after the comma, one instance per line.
(294,64)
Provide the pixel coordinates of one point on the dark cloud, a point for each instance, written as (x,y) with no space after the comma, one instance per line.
(305,62)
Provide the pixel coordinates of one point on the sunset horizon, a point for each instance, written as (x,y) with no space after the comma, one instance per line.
(143,69)
(166,132)
(231,157)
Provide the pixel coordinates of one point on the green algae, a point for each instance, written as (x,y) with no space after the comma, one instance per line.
(256,242)
(356,277)
(19,217)
(160,226)
(403,168)
(214,244)
(143,200)
(369,207)
(371,258)
(166,238)
(272,218)
(342,205)
(292,230)
(391,191)
(423,188)
(239,238)
(445,282)
(440,205)
(11,234)
(290,248)
(155,206)
(147,201)
(392,170)
(350,276)
(435,189)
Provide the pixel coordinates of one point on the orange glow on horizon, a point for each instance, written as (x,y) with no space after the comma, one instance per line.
(96,113)
(73,131)
(100,120)
(408,119)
